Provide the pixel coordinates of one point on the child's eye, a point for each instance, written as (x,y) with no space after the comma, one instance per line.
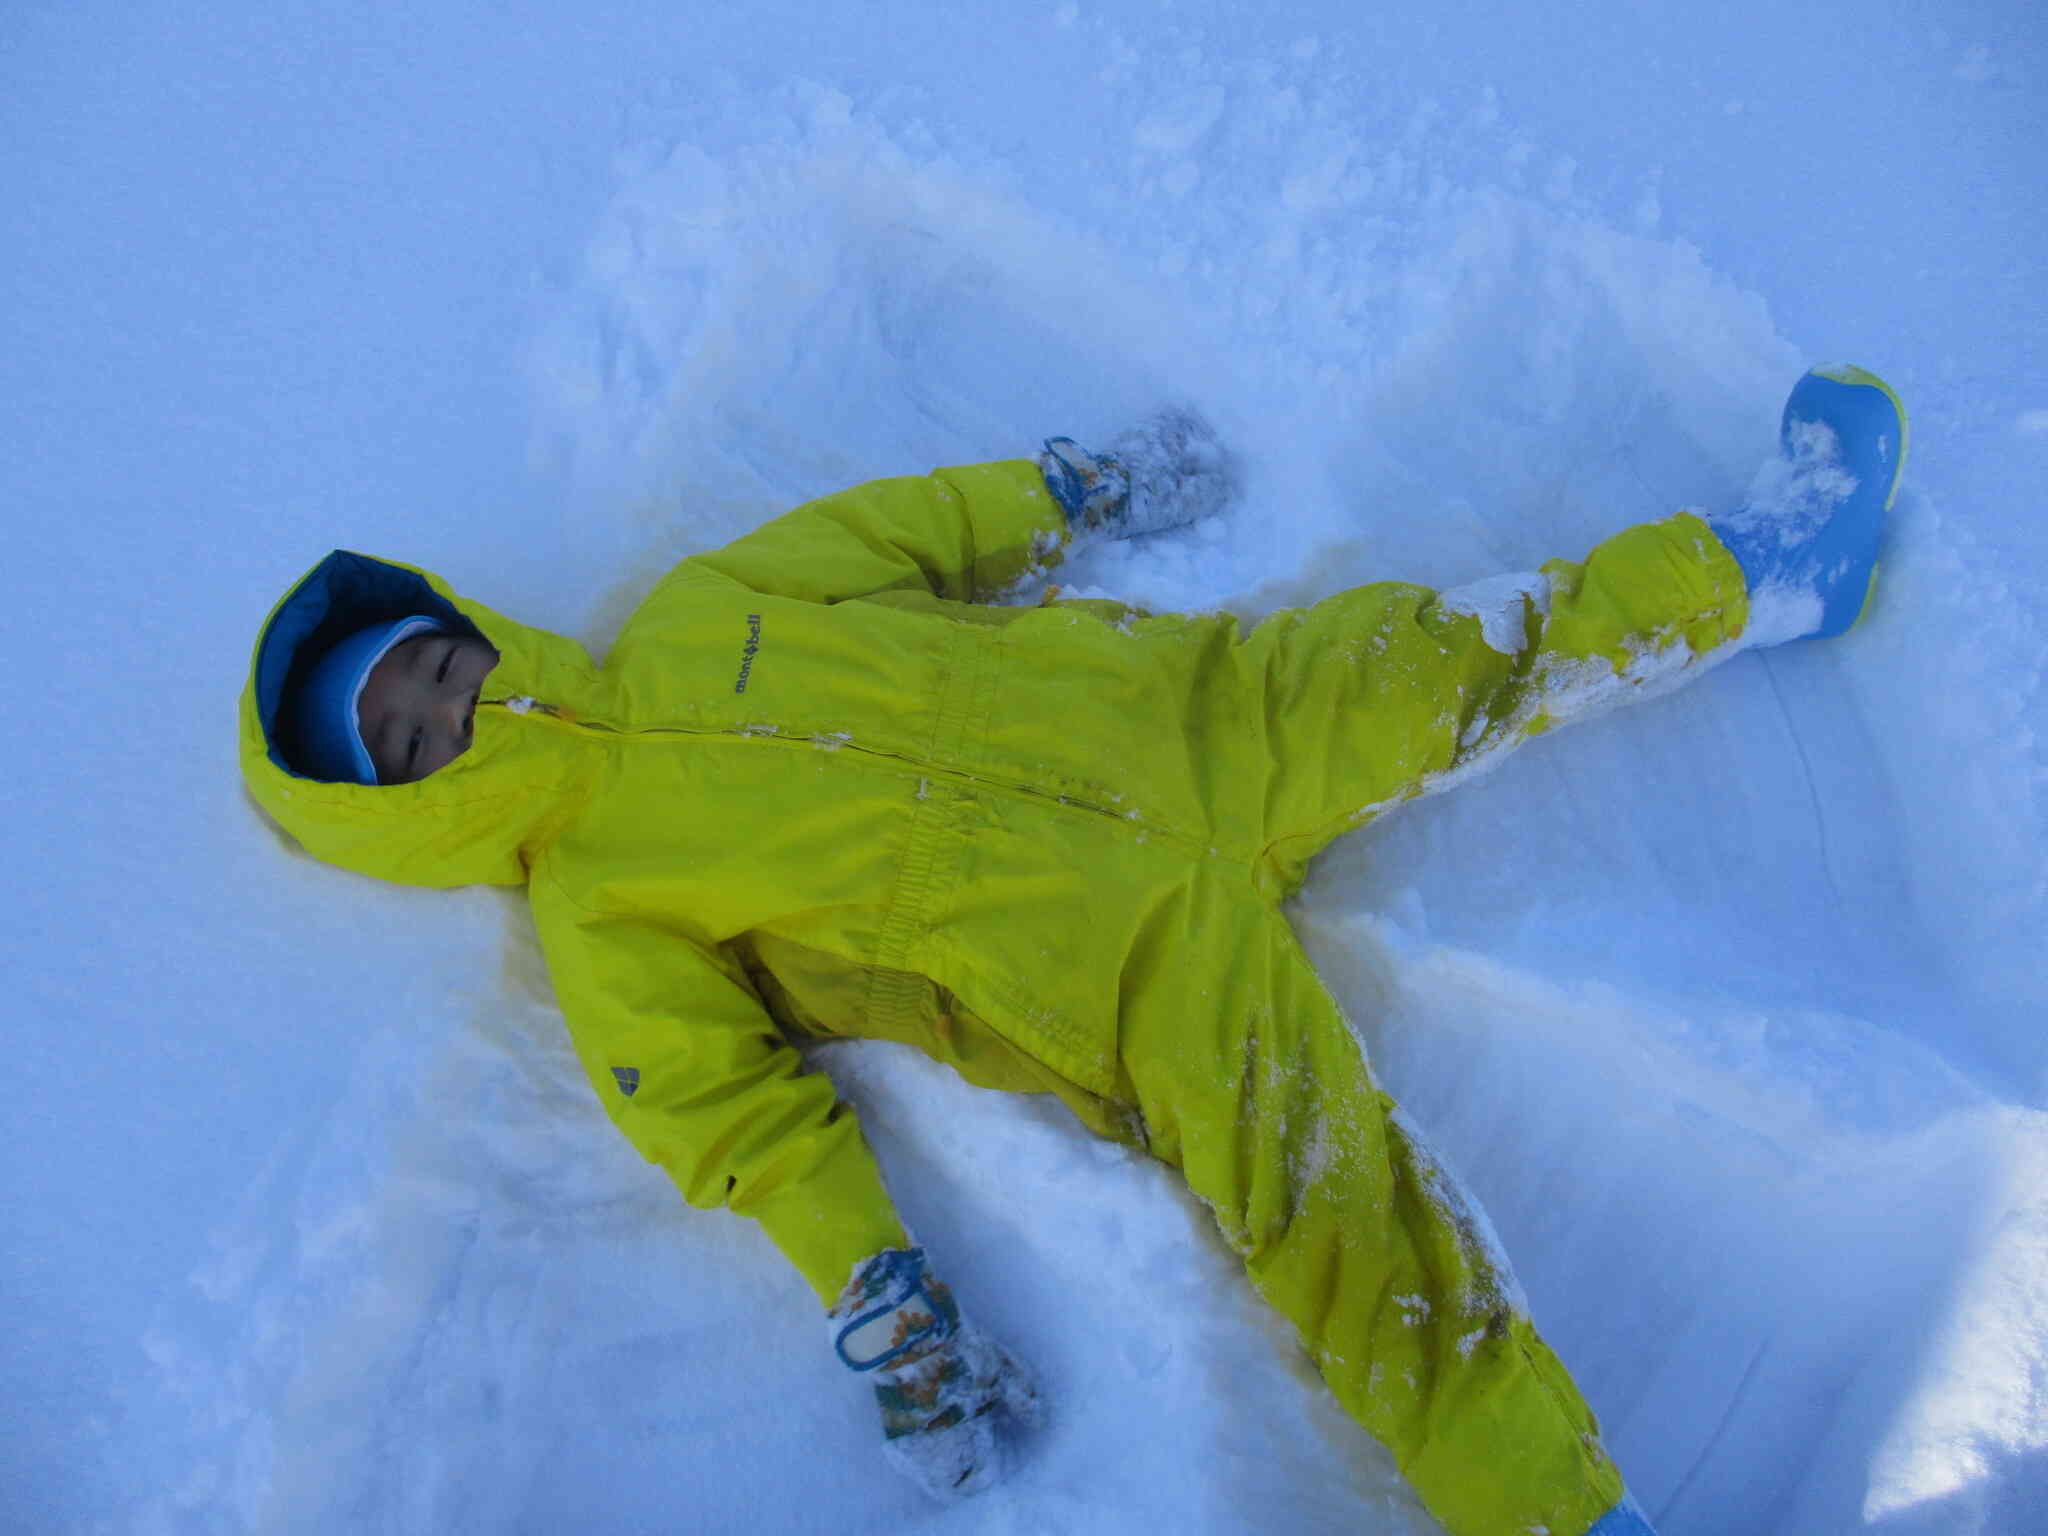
(412,749)
(447,659)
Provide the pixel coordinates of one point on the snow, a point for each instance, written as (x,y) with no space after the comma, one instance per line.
(1726,1008)
(1503,606)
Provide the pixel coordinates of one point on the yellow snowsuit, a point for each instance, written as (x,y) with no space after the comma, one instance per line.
(816,791)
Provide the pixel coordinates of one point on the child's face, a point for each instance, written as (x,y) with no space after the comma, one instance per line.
(418,705)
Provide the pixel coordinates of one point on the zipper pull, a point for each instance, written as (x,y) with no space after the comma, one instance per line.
(526,704)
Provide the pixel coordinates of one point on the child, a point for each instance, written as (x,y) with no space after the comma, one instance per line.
(816,790)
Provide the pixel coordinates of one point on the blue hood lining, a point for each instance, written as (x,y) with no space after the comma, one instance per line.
(343,593)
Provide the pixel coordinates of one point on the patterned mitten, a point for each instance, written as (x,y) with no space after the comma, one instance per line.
(1163,473)
(952,1399)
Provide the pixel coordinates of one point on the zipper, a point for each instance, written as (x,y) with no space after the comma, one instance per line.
(837,741)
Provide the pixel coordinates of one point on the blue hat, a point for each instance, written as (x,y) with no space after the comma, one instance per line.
(330,731)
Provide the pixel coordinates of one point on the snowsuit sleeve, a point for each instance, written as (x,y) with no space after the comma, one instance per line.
(694,1072)
(961,533)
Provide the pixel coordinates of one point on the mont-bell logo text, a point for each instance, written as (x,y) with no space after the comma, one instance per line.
(747,656)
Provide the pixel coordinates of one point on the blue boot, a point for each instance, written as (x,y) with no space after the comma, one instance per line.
(1816,517)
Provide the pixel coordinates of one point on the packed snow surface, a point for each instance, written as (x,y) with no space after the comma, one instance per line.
(1728,1008)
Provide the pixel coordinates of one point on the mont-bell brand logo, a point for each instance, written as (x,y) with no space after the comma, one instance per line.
(747,656)
(628,1079)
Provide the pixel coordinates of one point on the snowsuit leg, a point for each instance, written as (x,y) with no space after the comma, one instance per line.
(1248,1077)
(1391,691)
(1350,1229)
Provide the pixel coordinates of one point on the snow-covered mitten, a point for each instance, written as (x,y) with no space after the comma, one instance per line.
(1163,473)
(952,1399)
(1807,540)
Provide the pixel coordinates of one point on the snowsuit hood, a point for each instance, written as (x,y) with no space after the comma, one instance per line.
(480,819)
